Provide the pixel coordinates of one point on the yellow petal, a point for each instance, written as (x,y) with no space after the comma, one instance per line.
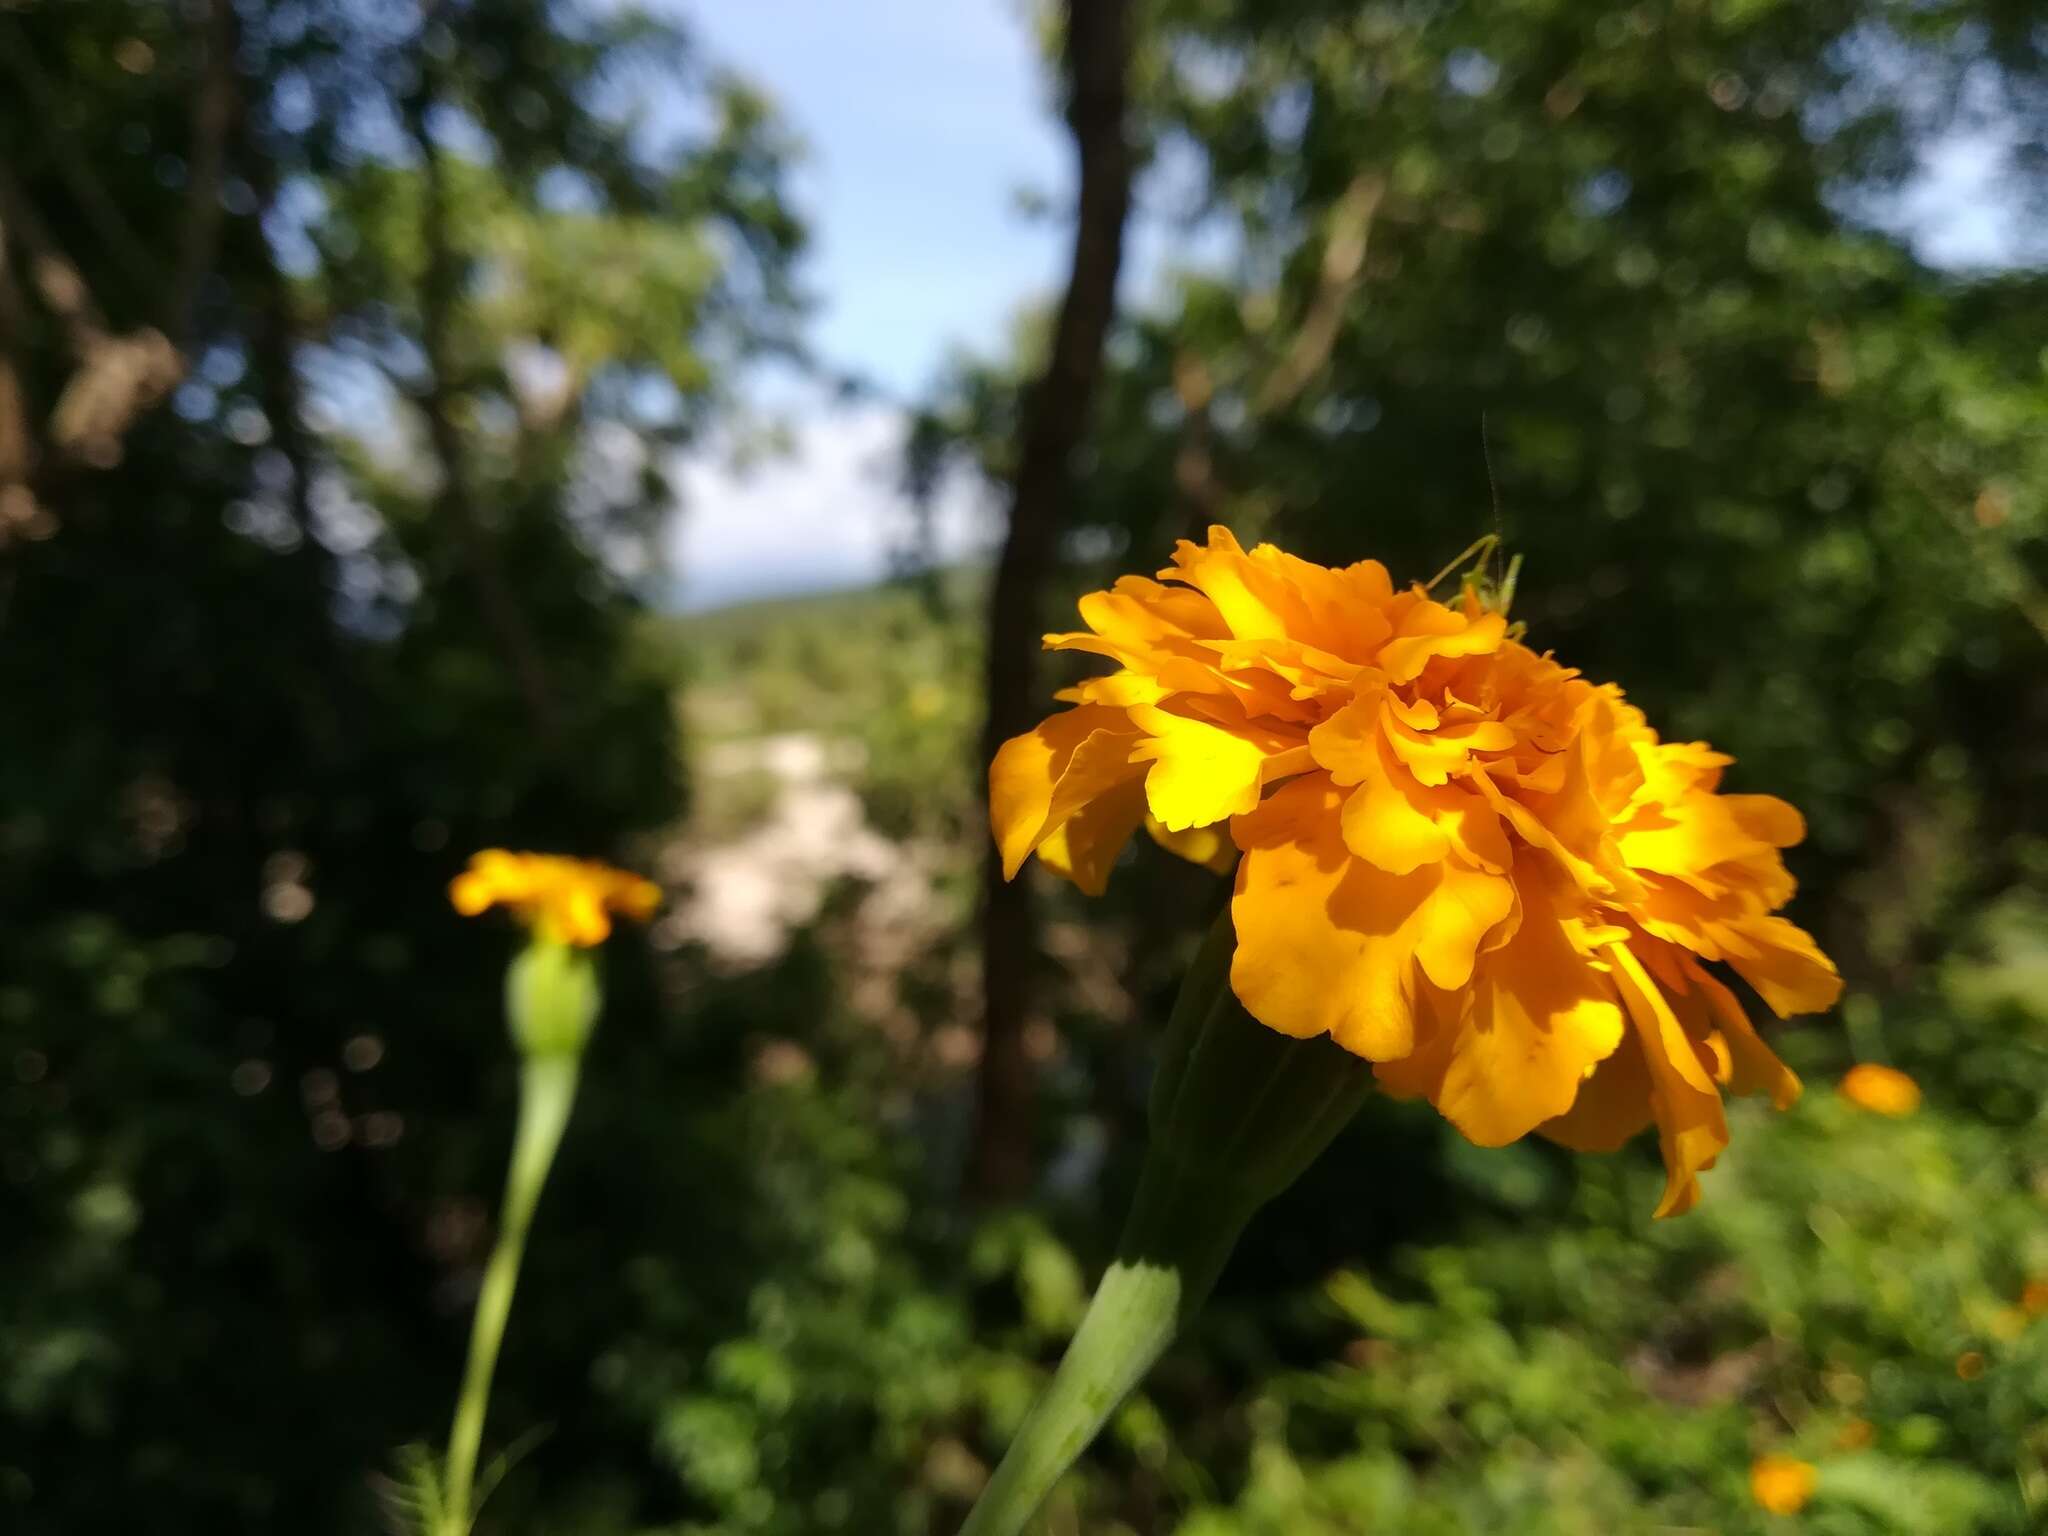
(470,893)
(1753,1067)
(1613,1104)
(1427,629)
(1445,748)
(1044,776)
(1691,1128)
(1785,966)
(1348,742)
(1085,846)
(1537,1017)
(1329,944)
(1209,847)
(1384,825)
(1256,602)
(1319,947)
(1767,819)
(1201,773)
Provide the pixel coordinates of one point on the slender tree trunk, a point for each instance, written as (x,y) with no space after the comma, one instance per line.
(440,293)
(1056,416)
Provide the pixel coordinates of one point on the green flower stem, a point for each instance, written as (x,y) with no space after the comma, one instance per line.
(547,1093)
(1238,1113)
(1138,1309)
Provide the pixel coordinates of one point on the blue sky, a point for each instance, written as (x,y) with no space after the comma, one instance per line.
(922,121)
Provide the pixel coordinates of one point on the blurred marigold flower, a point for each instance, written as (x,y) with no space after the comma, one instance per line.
(1460,860)
(2034,1298)
(1969,1365)
(1881,1090)
(1782,1484)
(564,900)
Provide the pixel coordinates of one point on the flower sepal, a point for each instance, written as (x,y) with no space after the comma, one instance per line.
(1238,1110)
(552,998)
(1238,1113)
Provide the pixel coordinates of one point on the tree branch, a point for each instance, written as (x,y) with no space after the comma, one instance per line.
(1201,496)
(213,115)
(117,237)
(1056,416)
(440,293)
(1343,260)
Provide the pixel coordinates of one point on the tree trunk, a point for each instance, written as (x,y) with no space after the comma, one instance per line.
(455,502)
(1055,420)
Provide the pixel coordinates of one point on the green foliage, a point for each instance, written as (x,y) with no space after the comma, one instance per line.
(263,677)
(891,672)
(348,607)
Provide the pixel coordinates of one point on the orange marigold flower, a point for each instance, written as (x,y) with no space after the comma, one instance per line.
(2034,1298)
(1459,859)
(1782,1484)
(1881,1090)
(564,900)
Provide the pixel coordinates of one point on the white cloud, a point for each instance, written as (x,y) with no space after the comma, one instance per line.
(831,512)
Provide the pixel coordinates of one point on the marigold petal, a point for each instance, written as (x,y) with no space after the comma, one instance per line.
(1209,847)
(1348,743)
(1456,918)
(1785,966)
(1767,819)
(1612,1107)
(1427,630)
(1084,847)
(1754,1067)
(1255,601)
(1691,1126)
(1201,773)
(1383,824)
(1325,942)
(1042,777)
(471,893)
(575,914)
(1537,1017)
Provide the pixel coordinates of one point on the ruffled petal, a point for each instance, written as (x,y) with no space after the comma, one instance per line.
(1324,942)
(1384,825)
(1753,1067)
(1084,847)
(1044,776)
(1200,773)
(1691,1127)
(1780,959)
(1538,1016)
(1209,847)
(1612,1107)
(1425,629)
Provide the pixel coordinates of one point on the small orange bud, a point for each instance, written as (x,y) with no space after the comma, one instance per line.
(1969,1365)
(1881,1090)
(1782,1484)
(2034,1299)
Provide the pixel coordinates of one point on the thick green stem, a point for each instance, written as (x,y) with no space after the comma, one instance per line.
(1238,1113)
(547,1093)
(1173,1247)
